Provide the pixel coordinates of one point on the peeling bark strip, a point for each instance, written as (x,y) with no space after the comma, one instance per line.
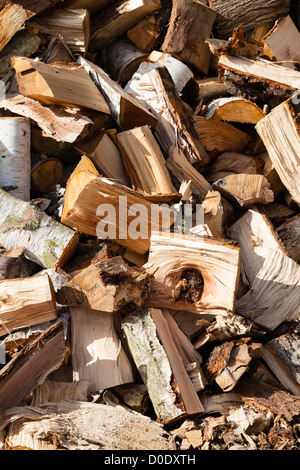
(47,242)
(247,13)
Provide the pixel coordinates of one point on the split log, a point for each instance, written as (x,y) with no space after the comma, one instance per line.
(122,59)
(43,144)
(12,18)
(245,189)
(255,235)
(33,7)
(14,265)
(15,158)
(160,365)
(125,110)
(271,174)
(156,92)
(45,173)
(26,302)
(210,88)
(72,25)
(280,132)
(56,52)
(47,84)
(274,295)
(190,24)
(146,166)
(282,356)
(62,125)
(247,13)
(284,33)
(118,18)
(23,44)
(259,80)
(81,425)
(218,136)
(146,32)
(214,214)
(239,44)
(89,196)
(97,352)
(231,163)
(193,274)
(47,242)
(85,256)
(107,286)
(180,73)
(55,392)
(234,110)
(30,367)
(289,234)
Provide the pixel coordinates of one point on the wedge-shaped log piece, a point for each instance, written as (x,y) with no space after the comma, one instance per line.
(107,286)
(73,25)
(193,274)
(45,173)
(247,13)
(30,367)
(245,189)
(239,44)
(280,132)
(97,353)
(118,18)
(276,47)
(46,242)
(274,295)
(122,59)
(234,110)
(56,122)
(190,24)
(146,166)
(54,392)
(232,163)
(32,7)
(289,233)
(12,18)
(26,302)
(126,111)
(156,92)
(282,356)
(11,264)
(15,158)
(161,367)
(258,79)
(145,33)
(271,174)
(47,84)
(88,198)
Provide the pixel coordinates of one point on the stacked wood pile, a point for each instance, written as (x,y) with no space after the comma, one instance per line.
(168,340)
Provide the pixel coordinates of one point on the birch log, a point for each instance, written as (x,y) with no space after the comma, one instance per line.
(47,242)
(15,162)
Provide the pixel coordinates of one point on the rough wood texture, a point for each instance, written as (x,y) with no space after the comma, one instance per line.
(12,17)
(247,13)
(55,392)
(289,233)
(45,173)
(47,242)
(275,42)
(231,163)
(97,352)
(190,24)
(23,44)
(122,59)
(234,110)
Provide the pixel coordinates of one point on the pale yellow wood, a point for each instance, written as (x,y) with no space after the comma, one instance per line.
(234,110)
(282,42)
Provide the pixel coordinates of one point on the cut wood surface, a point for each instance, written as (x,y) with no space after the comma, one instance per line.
(233,163)
(145,33)
(12,18)
(234,110)
(180,73)
(284,32)
(123,59)
(289,233)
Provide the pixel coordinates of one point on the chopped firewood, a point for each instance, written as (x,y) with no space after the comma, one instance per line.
(255,235)
(81,425)
(160,365)
(87,192)
(46,83)
(145,33)
(282,356)
(126,111)
(193,274)
(56,52)
(234,110)
(97,352)
(93,6)
(23,44)
(258,79)
(20,309)
(58,277)
(45,173)
(284,32)
(214,214)
(106,286)
(12,18)
(14,265)
(55,392)
(30,367)
(240,44)
(289,234)
(62,125)
(116,19)
(190,24)
(157,92)
(211,88)
(73,25)
(146,166)
(247,13)
(231,163)
(180,73)
(123,58)
(15,156)
(245,189)
(249,421)
(218,136)
(47,242)
(279,131)
(271,174)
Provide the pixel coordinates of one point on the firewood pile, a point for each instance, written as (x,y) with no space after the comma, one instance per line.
(149,225)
